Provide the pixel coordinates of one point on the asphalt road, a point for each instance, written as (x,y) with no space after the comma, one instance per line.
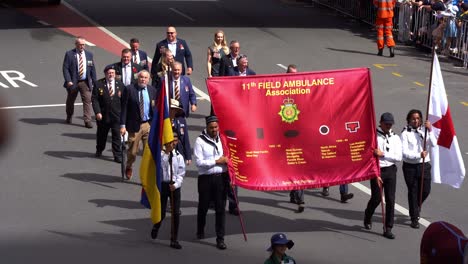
(61,205)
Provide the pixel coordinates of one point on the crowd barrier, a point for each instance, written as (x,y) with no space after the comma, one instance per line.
(413,26)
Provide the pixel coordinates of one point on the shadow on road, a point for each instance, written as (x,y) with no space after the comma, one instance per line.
(99,179)
(69,154)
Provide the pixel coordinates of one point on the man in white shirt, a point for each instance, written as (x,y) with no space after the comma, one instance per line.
(388,152)
(173,167)
(213,179)
(414,158)
(126,71)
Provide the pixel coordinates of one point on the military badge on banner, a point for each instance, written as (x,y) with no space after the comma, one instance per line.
(289,112)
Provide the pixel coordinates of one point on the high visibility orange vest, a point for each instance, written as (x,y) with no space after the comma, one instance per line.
(384,8)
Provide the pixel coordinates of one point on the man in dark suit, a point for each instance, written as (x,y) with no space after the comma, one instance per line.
(138,101)
(242,68)
(126,71)
(107,106)
(138,56)
(230,61)
(179,49)
(79,73)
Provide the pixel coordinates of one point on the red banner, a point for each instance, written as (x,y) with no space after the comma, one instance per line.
(297,131)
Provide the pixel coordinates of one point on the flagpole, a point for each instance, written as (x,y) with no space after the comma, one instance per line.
(238,210)
(172,198)
(425,129)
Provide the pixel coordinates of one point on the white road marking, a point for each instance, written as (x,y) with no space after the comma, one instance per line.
(89,43)
(282,66)
(43,23)
(182,14)
(34,106)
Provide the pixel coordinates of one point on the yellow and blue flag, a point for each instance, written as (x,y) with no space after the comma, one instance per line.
(150,169)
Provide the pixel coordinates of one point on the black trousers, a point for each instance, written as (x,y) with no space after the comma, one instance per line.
(412,173)
(297,195)
(388,175)
(166,195)
(231,198)
(101,137)
(212,187)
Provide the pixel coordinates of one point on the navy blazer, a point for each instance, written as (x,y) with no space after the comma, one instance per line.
(226,65)
(135,68)
(187,94)
(103,103)
(182,53)
(70,69)
(235,72)
(130,114)
(143,59)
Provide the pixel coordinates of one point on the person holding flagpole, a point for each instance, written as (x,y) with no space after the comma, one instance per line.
(416,161)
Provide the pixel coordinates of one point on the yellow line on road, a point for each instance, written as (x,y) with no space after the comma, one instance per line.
(419,84)
(464,103)
(382,66)
(397,74)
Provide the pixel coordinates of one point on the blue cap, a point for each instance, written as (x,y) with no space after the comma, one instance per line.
(387,118)
(210,119)
(280,239)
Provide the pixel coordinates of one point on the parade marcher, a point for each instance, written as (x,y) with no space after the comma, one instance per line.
(138,56)
(138,101)
(213,179)
(344,194)
(79,73)
(163,67)
(384,24)
(242,68)
(173,167)
(412,140)
(230,61)
(279,244)
(216,53)
(443,243)
(388,152)
(106,97)
(126,71)
(179,49)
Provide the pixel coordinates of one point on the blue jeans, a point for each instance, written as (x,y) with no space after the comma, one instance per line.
(344,189)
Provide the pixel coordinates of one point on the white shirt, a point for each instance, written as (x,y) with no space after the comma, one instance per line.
(172,47)
(390,145)
(85,64)
(127,74)
(137,57)
(234,61)
(412,142)
(178,168)
(206,155)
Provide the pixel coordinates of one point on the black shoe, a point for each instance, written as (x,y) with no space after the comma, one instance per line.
(300,209)
(98,154)
(234,211)
(68,120)
(346,196)
(325,191)
(200,236)
(388,234)
(154,232)
(414,224)
(176,245)
(220,244)
(118,159)
(88,125)
(367,224)
(392,52)
(380,53)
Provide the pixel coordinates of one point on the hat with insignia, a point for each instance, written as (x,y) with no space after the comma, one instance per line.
(280,239)
(211,119)
(109,67)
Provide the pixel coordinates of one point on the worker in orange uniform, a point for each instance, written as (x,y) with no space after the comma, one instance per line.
(384,25)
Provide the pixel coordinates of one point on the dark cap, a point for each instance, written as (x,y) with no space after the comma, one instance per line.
(387,118)
(211,119)
(280,239)
(109,67)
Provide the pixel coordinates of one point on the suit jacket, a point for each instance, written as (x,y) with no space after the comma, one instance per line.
(103,103)
(187,94)
(135,70)
(225,66)
(143,59)
(179,125)
(70,69)
(182,53)
(130,114)
(235,72)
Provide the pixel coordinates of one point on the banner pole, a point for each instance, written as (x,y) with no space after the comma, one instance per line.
(425,130)
(238,209)
(382,203)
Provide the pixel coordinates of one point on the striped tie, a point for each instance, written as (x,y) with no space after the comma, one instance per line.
(142,109)
(135,59)
(80,66)
(176,90)
(111,90)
